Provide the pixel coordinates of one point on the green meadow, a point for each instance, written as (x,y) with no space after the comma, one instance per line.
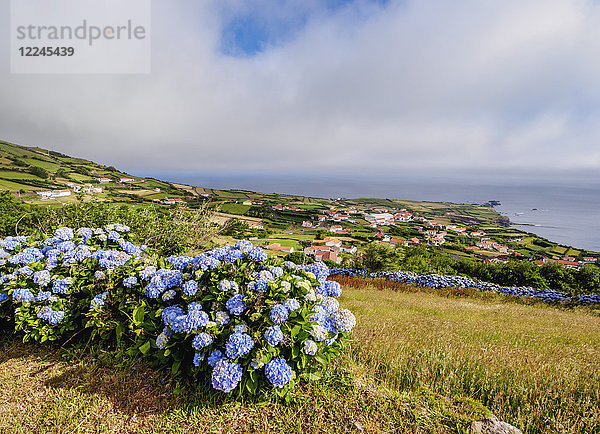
(419,361)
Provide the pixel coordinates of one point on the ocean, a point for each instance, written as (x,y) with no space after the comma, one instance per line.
(566,212)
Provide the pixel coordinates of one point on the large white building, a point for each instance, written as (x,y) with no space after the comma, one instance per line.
(53,194)
(381,219)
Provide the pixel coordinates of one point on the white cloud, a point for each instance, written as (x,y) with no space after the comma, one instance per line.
(412,85)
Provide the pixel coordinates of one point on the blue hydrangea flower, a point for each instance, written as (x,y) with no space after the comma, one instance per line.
(235,305)
(131,248)
(202,340)
(3,296)
(113,235)
(319,269)
(238,344)
(147,273)
(61,286)
(261,285)
(23,295)
(292,304)
(241,328)
(273,335)
(276,271)
(331,288)
(98,300)
(162,340)
(43,296)
(151,291)
(257,254)
(10,243)
(64,234)
(179,262)
(170,313)
(130,281)
(226,375)
(25,271)
(243,246)
(27,256)
(168,295)
(330,305)
(343,320)
(215,357)
(232,256)
(319,333)
(278,372)
(279,313)
(65,246)
(198,357)
(195,318)
(320,315)
(85,233)
(51,315)
(190,288)
(225,285)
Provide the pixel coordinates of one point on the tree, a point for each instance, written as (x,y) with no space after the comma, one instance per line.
(40,172)
(11,210)
(588,278)
(381,257)
(235,228)
(62,173)
(299,258)
(556,276)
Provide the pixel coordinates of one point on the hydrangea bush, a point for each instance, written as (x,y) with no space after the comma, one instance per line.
(230,316)
(437,281)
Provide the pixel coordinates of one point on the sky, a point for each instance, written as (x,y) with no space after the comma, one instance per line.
(301,87)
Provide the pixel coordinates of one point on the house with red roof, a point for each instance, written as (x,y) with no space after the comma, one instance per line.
(280,248)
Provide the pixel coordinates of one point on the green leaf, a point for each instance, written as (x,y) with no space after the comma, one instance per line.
(119,331)
(295,331)
(145,348)
(138,315)
(175,367)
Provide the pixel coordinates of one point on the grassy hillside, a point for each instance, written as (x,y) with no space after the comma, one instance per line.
(29,169)
(418,362)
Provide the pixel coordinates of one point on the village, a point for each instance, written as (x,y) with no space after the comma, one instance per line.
(343,222)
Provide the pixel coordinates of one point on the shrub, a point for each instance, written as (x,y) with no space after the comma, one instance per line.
(40,172)
(230,315)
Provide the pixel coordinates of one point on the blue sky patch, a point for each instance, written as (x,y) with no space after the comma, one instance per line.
(251,32)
